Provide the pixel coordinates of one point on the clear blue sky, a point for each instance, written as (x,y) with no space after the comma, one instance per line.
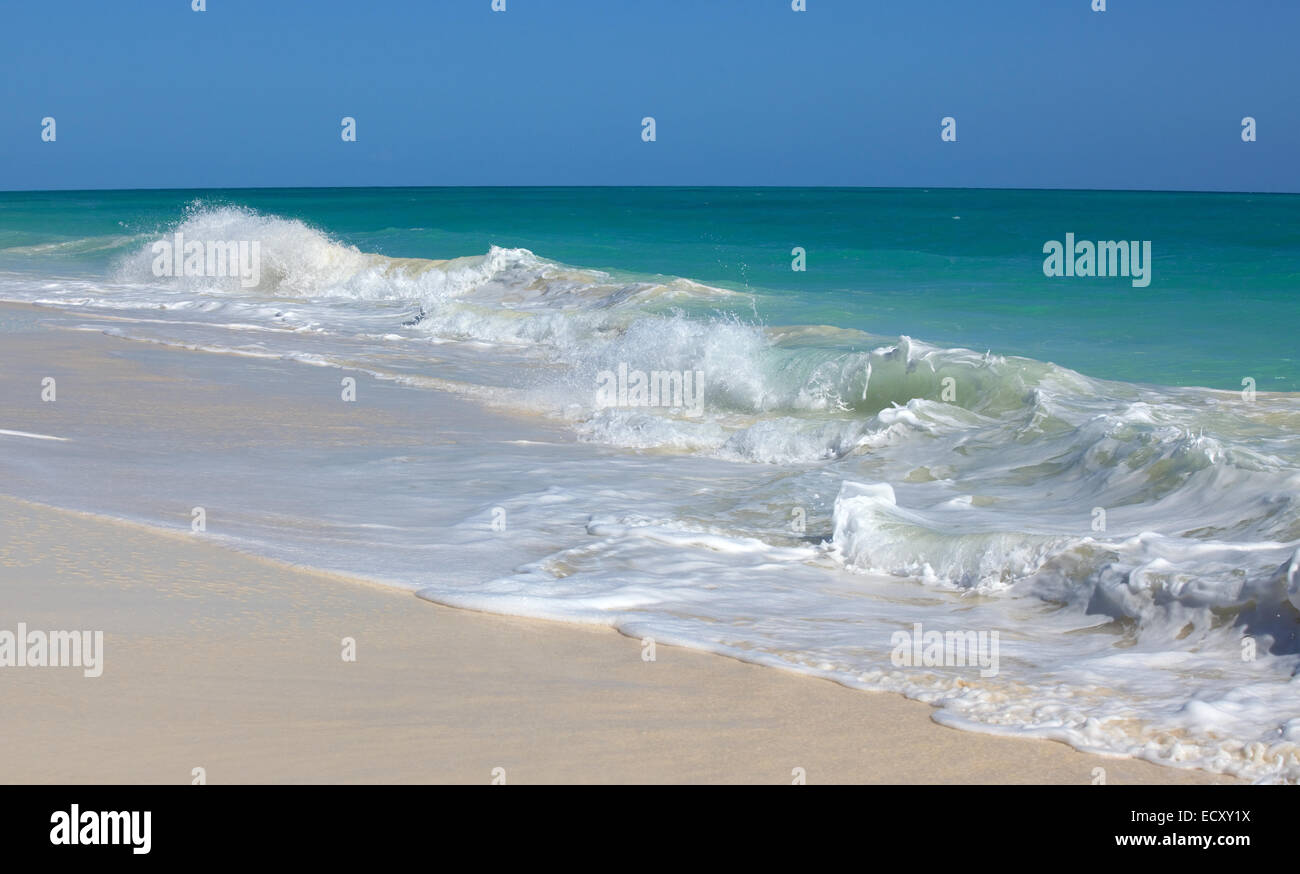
(1046,93)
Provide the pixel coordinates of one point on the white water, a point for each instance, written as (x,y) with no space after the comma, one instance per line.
(939,486)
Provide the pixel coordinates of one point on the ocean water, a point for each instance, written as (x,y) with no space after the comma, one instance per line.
(921,428)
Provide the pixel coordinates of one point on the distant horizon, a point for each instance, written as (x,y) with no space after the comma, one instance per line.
(664,186)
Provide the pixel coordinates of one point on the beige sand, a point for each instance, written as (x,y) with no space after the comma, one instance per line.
(231,663)
(218,660)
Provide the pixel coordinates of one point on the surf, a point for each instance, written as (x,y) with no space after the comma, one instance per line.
(1125,539)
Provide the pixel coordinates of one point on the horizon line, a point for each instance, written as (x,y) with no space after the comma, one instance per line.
(670,187)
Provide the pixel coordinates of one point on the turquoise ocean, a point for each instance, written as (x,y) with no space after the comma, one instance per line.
(953,267)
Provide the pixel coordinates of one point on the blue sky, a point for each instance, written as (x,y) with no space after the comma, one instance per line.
(1046,93)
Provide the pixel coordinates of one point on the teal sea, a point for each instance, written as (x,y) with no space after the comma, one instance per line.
(951,267)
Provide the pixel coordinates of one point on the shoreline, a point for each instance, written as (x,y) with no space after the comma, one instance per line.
(218,654)
(233,663)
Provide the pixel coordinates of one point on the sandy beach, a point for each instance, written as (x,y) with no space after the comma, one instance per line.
(232,663)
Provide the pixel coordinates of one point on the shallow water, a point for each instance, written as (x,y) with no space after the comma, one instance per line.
(1128,534)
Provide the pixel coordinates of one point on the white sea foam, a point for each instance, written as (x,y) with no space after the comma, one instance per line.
(945,486)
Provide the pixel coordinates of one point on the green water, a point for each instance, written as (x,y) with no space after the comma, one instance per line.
(952,267)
